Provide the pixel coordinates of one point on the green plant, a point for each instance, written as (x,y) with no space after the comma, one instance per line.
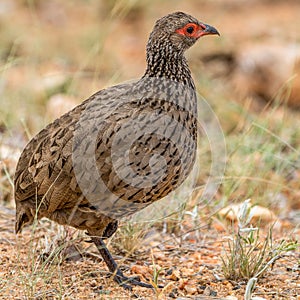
(248,255)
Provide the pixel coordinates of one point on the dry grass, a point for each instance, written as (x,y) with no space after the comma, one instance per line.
(76,48)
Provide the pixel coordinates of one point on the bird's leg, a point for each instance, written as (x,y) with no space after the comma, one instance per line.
(113,267)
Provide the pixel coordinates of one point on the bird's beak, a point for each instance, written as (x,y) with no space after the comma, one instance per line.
(207,29)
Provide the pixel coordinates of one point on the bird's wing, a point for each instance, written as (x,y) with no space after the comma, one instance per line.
(46,160)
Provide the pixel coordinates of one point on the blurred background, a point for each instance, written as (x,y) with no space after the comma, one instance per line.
(54,54)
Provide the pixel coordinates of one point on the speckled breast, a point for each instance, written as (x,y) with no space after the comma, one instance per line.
(143,148)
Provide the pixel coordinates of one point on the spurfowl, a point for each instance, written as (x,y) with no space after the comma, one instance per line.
(120,150)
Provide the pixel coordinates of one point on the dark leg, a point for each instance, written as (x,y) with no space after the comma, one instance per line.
(113,267)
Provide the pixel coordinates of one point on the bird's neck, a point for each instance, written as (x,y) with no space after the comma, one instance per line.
(162,62)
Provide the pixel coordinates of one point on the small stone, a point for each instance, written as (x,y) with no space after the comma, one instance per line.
(259,214)
(209,292)
(144,271)
(190,289)
(187,271)
(175,275)
(93,283)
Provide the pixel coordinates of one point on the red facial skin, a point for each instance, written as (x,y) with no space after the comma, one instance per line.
(199,30)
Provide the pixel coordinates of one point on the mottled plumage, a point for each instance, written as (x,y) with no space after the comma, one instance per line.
(59,171)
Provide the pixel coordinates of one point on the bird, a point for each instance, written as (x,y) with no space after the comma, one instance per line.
(121,149)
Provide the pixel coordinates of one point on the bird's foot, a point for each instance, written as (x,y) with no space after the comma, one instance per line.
(127,282)
(119,277)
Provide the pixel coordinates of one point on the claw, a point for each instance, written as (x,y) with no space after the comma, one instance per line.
(123,281)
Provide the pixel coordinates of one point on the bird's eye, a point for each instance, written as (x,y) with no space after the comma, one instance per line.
(190,30)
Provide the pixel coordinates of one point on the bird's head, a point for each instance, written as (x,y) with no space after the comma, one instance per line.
(179,31)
